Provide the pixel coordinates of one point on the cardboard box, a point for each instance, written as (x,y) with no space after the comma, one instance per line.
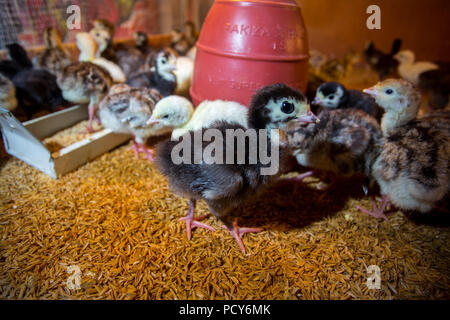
(23,140)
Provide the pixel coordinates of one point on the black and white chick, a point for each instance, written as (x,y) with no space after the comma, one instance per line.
(8,99)
(412,169)
(161,74)
(53,58)
(382,63)
(344,142)
(36,89)
(333,95)
(85,82)
(142,113)
(224,187)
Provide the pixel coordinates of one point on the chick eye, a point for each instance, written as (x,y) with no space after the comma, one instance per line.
(97,34)
(164,61)
(331,97)
(389,91)
(287,107)
(166,116)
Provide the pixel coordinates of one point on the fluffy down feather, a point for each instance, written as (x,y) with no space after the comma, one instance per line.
(209,112)
(413,167)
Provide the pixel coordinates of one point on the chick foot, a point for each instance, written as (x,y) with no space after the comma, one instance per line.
(377,212)
(192,222)
(140,148)
(237,233)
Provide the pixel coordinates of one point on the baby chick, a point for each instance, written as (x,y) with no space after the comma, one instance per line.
(85,82)
(53,58)
(142,113)
(344,142)
(226,186)
(160,74)
(436,84)
(410,70)
(103,33)
(333,95)
(142,44)
(36,89)
(209,112)
(128,58)
(382,63)
(8,99)
(89,51)
(412,169)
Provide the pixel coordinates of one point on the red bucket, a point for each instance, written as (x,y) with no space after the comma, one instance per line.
(245,45)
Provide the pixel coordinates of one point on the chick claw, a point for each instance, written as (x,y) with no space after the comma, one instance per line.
(137,148)
(192,222)
(377,212)
(237,233)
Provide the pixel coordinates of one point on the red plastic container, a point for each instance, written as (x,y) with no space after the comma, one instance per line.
(245,45)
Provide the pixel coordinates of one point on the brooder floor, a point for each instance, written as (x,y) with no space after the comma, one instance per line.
(110,230)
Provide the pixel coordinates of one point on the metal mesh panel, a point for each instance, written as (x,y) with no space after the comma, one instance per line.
(24,21)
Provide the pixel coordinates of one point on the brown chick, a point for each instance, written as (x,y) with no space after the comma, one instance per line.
(85,82)
(53,58)
(345,142)
(412,169)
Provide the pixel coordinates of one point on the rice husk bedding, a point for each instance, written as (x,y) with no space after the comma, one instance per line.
(114,223)
(69,136)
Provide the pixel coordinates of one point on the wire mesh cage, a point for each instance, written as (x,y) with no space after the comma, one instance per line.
(24,21)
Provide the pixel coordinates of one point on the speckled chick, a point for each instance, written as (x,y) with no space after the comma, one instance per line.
(343,142)
(226,186)
(333,95)
(413,168)
(8,98)
(159,75)
(53,58)
(85,82)
(142,113)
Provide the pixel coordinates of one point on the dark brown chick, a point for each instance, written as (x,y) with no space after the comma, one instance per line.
(225,187)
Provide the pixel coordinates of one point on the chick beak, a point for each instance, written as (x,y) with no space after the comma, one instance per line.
(371,91)
(172,67)
(152,121)
(316,101)
(309,118)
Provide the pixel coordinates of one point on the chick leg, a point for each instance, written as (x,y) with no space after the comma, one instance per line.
(302,176)
(191,220)
(377,212)
(138,148)
(237,233)
(91,110)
